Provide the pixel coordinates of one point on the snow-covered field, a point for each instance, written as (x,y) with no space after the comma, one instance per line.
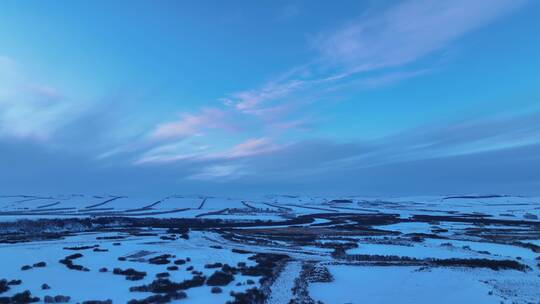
(271,249)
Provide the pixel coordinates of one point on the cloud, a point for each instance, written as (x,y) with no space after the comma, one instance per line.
(176,152)
(249,101)
(416,161)
(368,52)
(29,108)
(379,42)
(192,124)
(251,147)
(408,31)
(218,173)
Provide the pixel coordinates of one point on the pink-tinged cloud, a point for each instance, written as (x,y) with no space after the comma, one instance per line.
(170,153)
(408,31)
(404,33)
(193,124)
(251,147)
(45,92)
(248,101)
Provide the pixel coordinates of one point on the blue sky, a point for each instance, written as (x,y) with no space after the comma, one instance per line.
(348,97)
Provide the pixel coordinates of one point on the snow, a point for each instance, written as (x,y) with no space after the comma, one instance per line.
(83,285)
(281,291)
(389,285)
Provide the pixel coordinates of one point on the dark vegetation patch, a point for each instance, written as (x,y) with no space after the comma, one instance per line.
(474,196)
(160,259)
(97,302)
(475,220)
(393,260)
(160,298)
(482,263)
(167,286)
(81,247)
(39,265)
(301,283)
(213,265)
(130,273)
(241,251)
(340,201)
(4,286)
(531,246)
(18,298)
(68,261)
(113,237)
(57,299)
(103,203)
(25,230)
(47,205)
(220,278)
(251,296)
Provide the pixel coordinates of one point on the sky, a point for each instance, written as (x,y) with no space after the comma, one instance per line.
(270,97)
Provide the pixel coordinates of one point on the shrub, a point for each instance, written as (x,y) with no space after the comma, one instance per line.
(216,289)
(252,296)
(130,273)
(56,299)
(68,261)
(229,269)
(166,286)
(240,251)
(482,263)
(166,298)
(26,267)
(81,247)
(172,268)
(45,286)
(219,278)
(160,260)
(214,265)
(163,275)
(4,286)
(21,297)
(40,264)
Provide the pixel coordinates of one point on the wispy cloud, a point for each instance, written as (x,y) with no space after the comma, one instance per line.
(383,41)
(218,173)
(191,124)
(369,52)
(29,108)
(176,152)
(407,32)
